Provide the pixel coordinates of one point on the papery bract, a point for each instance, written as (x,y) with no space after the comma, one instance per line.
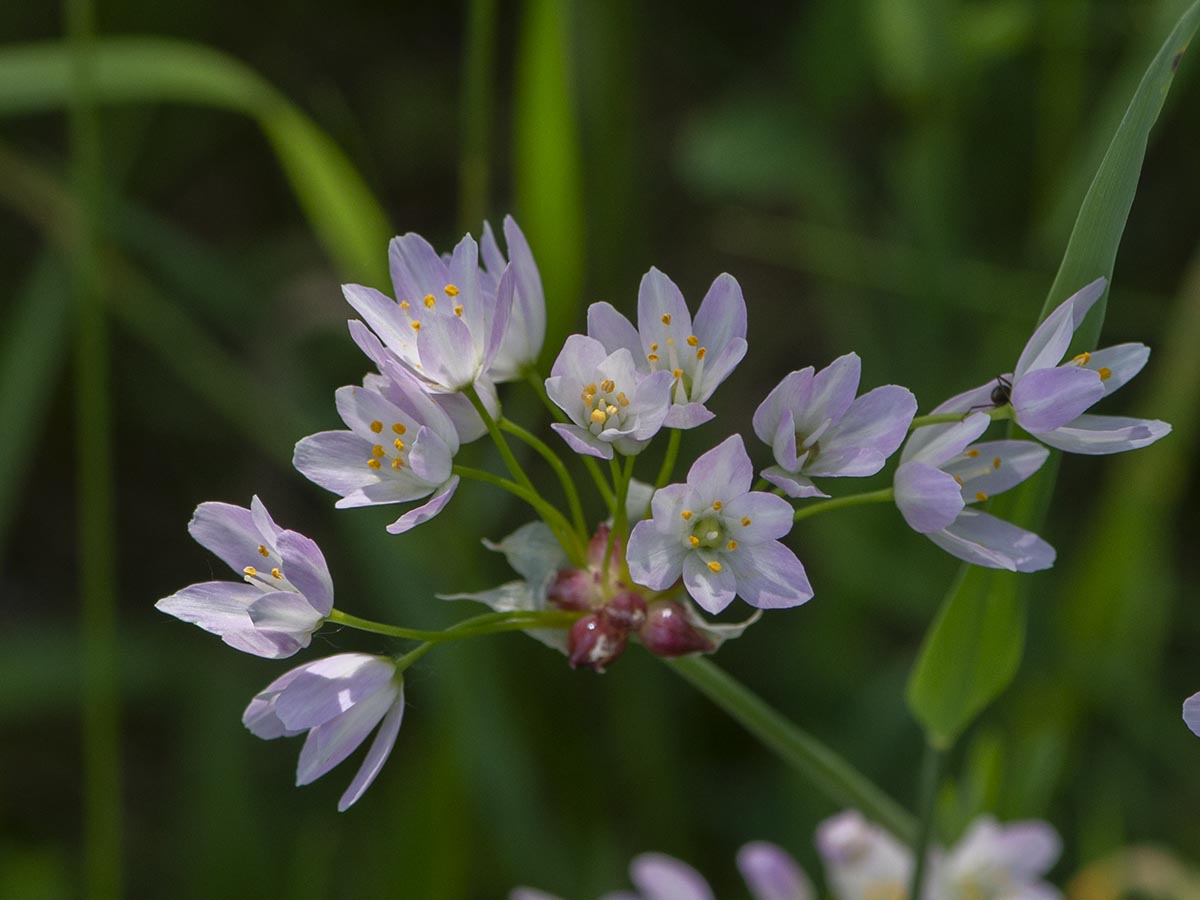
(339,701)
(286,591)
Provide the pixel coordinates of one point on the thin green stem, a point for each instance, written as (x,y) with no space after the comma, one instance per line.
(824,769)
(884,495)
(406,660)
(622,475)
(761,485)
(931,767)
(535,380)
(506,453)
(556,463)
(477,626)
(668,463)
(571,541)
(996,413)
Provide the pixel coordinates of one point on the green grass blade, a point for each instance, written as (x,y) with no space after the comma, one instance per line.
(973,649)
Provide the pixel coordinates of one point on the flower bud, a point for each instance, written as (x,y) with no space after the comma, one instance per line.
(595,642)
(626,610)
(668,632)
(572,589)
(599,543)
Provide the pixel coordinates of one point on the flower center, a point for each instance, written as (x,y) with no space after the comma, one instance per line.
(686,363)
(603,406)
(391,451)
(708,534)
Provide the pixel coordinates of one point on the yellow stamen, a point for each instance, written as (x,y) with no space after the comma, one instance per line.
(416,326)
(458,310)
(714,566)
(275,573)
(398,444)
(399,428)
(404,304)
(1082,359)
(732,545)
(687,514)
(717,504)
(980,496)
(666,318)
(397,463)
(377,426)
(377,451)
(670,342)
(607,386)
(611,410)
(677,372)
(745,521)
(654,346)
(249,571)
(693,340)
(653,357)
(959,480)
(373,463)
(693,540)
(1104,373)
(598,417)
(701,353)
(996,463)
(590,389)
(622,400)
(972,453)
(430,301)
(451,290)
(262,551)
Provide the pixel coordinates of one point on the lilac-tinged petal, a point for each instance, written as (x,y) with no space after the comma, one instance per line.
(446,355)
(783,445)
(649,404)
(332,741)
(772,874)
(722,314)
(792,484)
(381,748)
(712,591)
(661,877)
(1046,399)
(426,511)
(973,400)
(687,415)
(1191,713)
(1097,435)
(769,517)
(502,317)
(524,893)
(769,575)
(1121,361)
(579,359)
(790,395)
(470,306)
(227,531)
(335,460)
(845,462)
(993,467)
(530,304)
(381,313)
(429,457)
(655,558)
(327,687)
(260,716)
(614,331)
(489,251)
(987,541)
(304,566)
(222,608)
(416,268)
(1052,338)
(723,472)
(285,613)
(464,419)
(834,388)
(947,443)
(658,296)
(928,498)
(268,529)
(877,420)
(583,441)
(717,368)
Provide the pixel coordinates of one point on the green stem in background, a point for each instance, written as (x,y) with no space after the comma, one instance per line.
(622,475)
(102,827)
(556,463)
(668,463)
(998,412)
(884,495)
(821,766)
(478,63)
(535,380)
(571,542)
(931,767)
(477,626)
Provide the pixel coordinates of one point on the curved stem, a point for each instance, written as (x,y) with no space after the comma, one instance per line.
(571,542)
(477,626)
(668,463)
(998,412)
(535,380)
(622,475)
(931,767)
(556,463)
(884,495)
(506,453)
(825,770)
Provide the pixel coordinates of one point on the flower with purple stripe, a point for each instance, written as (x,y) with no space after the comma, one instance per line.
(698,354)
(339,701)
(609,403)
(400,446)
(938,479)
(818,428)
(286,591)
(720,536)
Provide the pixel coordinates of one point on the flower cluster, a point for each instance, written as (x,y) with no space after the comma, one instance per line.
(661,558)
(864,862)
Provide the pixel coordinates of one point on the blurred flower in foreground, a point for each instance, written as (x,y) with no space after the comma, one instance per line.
(939,475)
(1191,713)
(526,330)
(286,591)
(699,355)
(1136,872)
(817,428)
(720,536)
(338,700)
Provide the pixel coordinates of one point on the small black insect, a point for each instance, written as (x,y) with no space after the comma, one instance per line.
(1002,392)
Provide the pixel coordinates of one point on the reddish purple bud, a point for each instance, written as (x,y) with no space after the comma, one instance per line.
(599,543)
(667,631)
(626,610)
(572,589)
(594,642)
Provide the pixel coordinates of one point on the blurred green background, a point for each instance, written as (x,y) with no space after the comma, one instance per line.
(896,177)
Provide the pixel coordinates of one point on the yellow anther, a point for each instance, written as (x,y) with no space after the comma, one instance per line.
(377,451)
(701,353)
(430,301)
(1082,359)
(397,463)
(677,372)
(717,504)
(959,480)
(399,428)
(622,400)
(275,573)
(607,386)
(745,521)
(653,357)
(666,318)
(972,453)
(714,566)
(599,417)
(687,514)
(587,398)
(980,496)
(377,426)
(458,310)
(654,346)
(732,545)
(249,571)
(996,463)
(693,340)
(611,410)
(262,551)
(373,463)
(416,326)
(670,342)
(398,444)
(404,304)
(693,540)
(590,388)
(1104,373)
(451,290)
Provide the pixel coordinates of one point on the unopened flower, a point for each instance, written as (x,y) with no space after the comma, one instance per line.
(286,591)
(940,476)
(699,355)
(720,536)
(443,326)
(610,404)
(400,447)
(339,701)
(1191,713)
(526,330)
(1050,400)
(817,428)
